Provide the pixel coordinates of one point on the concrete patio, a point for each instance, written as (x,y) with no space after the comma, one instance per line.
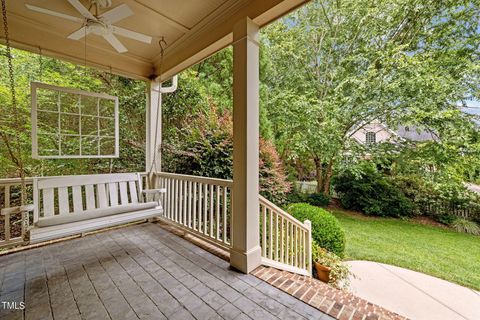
(413,294)
(137,272)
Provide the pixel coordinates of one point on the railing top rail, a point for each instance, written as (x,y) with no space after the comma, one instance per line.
(8,181)
(282,212)
(215,181)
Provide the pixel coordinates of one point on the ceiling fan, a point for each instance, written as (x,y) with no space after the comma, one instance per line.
(99,24)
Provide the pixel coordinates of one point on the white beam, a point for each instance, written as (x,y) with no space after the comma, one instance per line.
(245,254)
(153,156)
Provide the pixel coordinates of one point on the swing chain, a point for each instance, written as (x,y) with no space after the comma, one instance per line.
(21,167)
(9,53)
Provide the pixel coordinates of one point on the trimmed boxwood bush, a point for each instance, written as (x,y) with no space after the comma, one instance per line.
(326,229)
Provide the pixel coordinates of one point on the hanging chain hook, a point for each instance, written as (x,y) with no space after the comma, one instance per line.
(40,63)
(162,43)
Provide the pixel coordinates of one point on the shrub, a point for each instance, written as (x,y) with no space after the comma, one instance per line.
(445,218)
(326,229)
(339,271)
(204,147)
(372,193)
(273,180)
(318,199)
(439,199)
(466,226)
(295,196)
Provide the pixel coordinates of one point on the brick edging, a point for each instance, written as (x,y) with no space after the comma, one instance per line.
(334,302)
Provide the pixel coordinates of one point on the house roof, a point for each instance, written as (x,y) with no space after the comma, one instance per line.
(193,30)
(413,133)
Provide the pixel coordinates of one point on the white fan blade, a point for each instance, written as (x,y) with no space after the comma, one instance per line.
(132,34)
(79,34)
(115,43)
(116,14)
(80,8)
(54,13)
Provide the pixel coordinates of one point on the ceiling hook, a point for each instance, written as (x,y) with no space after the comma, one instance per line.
(162,43)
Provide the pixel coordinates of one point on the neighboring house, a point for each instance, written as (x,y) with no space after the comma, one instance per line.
(378,132)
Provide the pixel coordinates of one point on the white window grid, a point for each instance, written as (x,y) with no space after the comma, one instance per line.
(370,137)
(99,136)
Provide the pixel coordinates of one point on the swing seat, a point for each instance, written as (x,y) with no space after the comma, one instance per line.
(66,206)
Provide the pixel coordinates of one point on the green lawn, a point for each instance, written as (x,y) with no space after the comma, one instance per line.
(441,253)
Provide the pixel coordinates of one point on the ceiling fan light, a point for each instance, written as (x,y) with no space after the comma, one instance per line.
(102,3)
(98,29)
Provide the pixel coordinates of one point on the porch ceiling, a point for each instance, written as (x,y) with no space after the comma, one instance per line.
(192,29)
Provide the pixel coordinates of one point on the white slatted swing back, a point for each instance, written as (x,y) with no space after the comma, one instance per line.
(74,194)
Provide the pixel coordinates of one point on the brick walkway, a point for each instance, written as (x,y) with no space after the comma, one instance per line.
(336,303)
(138,272)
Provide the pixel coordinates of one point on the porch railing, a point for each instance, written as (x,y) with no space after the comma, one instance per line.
(12,224)
(286,242)
(200,205)
(203,207)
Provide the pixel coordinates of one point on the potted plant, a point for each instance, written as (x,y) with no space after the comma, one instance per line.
(330,268)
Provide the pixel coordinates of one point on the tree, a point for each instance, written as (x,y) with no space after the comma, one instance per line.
(32,67)
(336,65)
(201,140)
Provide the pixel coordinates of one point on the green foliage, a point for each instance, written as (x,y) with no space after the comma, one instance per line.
(315,199)
(372,193)
(336,65)
(339,271)
(446,218)
(198,135)
(295,196)
(318,199)
(466,226)
(31,67)
(439,252)
(326,230)
(439,198)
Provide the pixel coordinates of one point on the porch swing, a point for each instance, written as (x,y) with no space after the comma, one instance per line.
(70,205)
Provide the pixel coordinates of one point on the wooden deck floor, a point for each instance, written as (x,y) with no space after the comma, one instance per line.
(138,272)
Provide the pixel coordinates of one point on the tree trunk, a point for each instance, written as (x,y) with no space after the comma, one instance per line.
(328,178)
(319,174)
(300,170)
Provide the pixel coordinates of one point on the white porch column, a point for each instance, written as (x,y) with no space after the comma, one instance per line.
(154,128)
(245,254)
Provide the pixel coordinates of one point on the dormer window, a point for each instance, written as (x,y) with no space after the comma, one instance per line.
(370,137)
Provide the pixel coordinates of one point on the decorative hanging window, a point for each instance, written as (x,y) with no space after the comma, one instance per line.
(69,123)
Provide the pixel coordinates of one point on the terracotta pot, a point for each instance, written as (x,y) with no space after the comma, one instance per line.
(323,272)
